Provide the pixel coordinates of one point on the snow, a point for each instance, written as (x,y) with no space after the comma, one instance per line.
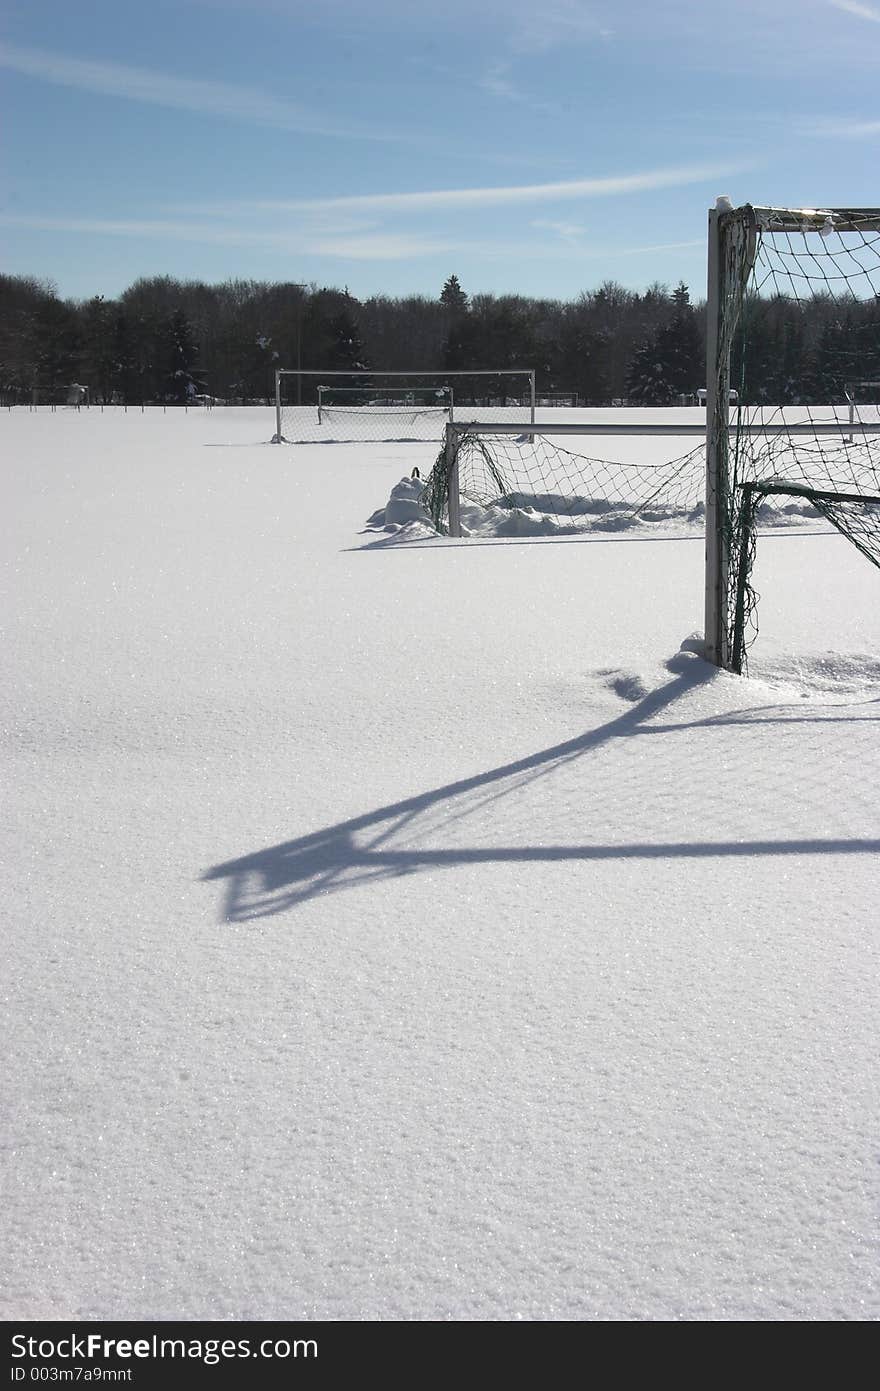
(421,930)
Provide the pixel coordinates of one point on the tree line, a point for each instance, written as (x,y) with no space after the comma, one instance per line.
(171,341)
(167,340)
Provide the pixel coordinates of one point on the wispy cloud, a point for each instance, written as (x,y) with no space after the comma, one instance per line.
(139,227)
(377,246)
(655,246)
(566,231)
(528,32)
(223,99)
(518,22)
(841,128)
(498,81)
(541,27)
(431,200)
(858,9)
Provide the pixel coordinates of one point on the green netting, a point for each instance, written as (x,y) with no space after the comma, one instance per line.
(857,517)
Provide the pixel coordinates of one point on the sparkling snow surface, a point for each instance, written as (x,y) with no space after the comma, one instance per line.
(421,930)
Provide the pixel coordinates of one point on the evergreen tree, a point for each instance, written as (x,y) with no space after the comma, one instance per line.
(670,364)
(346,349)
(178,352)
(647,382)
(577,360)
(682,346)
(96,363)
(453,296)
(681,297)
(126,382)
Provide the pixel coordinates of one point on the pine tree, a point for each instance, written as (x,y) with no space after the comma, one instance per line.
(178,352)
(97,348)
(670,363)
(577,361)
(346,349)
(453,296)
(682,346)
(126,381)
(681,297)
(646,379)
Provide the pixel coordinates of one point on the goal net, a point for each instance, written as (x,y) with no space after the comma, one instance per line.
(560,478)
(375,412)
(69,394)
(793,327)
(348,407)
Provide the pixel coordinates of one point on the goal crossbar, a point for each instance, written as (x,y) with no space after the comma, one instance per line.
(489,427)
(770,486)
(814,219)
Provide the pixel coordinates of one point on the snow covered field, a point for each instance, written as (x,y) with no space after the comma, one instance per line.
(421,930)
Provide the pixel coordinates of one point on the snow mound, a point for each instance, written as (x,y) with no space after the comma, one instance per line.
(827,674)
(416,530)
(544,514)
(523,514)
(405,503)
(506,521)
(404,515)
(776,514)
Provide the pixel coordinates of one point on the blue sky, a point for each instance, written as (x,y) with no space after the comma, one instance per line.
(531,148)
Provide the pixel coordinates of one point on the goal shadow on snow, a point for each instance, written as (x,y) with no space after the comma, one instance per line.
(358,850)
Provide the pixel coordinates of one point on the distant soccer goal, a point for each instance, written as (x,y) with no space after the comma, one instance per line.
(793,326)
(860,396)
(377,410)
(350,407)
(70,395)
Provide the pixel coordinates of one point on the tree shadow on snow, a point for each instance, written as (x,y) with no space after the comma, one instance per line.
(357,850)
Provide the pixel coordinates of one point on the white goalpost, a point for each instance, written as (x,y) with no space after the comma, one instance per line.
(314,406)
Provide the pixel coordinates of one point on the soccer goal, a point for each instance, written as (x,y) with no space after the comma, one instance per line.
(793,326)
(496,478)
(69,395)
(348,407)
